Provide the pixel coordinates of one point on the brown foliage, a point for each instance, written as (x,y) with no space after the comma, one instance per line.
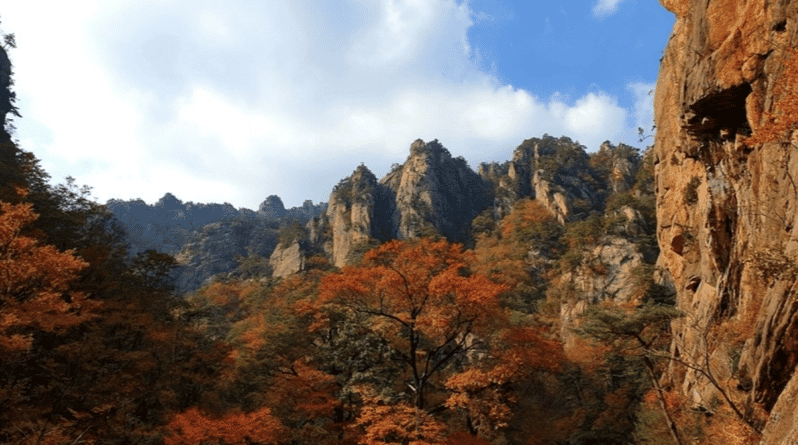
(192,427)
(35,294)
(785,108)
(421,299)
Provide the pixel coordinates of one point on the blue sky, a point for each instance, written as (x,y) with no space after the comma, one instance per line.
(234,101)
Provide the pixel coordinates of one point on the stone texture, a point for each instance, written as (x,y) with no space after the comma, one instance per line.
(435,193)
(272,207)
(607,273)
(431,193)
(350,212)
(555,171)
(287,260)
(718,81)
(215,248)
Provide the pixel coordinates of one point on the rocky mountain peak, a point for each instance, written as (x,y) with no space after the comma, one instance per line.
(169,203)
(272,207)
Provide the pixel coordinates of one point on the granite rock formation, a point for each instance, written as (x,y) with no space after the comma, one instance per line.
(432,193)
(556,172)
(287,260)
(727,205)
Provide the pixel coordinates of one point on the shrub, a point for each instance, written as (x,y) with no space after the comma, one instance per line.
(691,191)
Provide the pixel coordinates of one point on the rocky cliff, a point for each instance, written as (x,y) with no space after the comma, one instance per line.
(560,174)
(727,198)
(432,193)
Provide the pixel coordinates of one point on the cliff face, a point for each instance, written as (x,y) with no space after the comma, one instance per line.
(727,209)
(287,260)
(435,193)
(217,248)
(558,173)
(351,213)
(431,193)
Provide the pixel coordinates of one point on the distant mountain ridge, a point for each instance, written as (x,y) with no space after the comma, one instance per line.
(431,194)
(167,224)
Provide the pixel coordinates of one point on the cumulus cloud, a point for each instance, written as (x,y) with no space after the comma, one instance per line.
(235,102)
(603,8)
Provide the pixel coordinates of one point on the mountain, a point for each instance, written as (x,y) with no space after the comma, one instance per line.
(207,239)
(431,194)
(727,198)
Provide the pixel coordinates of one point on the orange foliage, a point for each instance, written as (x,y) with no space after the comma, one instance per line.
(397,424)
(420,298)
(484,394)
(501,261)
(588,355)
(417,284)
(301,394)
(526,213)
(34,293)
(194,428)
(785,107)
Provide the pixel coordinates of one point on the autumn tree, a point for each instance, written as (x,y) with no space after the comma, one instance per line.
(488,391)
(193,427)
(421,299)
(397,423)
(89,352)
(35,294)
(35,301)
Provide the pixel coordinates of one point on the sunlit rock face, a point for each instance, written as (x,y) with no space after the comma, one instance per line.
(351,213)
(287,260)
(557,172)
(725,206)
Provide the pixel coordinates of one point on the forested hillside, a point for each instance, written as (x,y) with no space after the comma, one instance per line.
(526,302)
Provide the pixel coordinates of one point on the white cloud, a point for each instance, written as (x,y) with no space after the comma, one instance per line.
(239,101)
(603,8)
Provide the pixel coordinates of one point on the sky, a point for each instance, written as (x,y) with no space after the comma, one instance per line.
(238,100)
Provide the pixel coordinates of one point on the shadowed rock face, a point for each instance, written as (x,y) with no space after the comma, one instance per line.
(272,207)
(723,206)
(435,193)
(431,193)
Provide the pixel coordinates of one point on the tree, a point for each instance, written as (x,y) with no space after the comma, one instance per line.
(487,390)
(35,294)
(398,423)
(154,269)
(421,300)
(36,301)
(643,328)
(192,427)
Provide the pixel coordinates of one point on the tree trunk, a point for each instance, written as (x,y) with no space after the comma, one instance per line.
(671,425)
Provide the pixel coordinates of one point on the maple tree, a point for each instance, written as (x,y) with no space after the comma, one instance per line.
(487,390)
(397,423)
(421,300)
(35,277)
(192,427)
